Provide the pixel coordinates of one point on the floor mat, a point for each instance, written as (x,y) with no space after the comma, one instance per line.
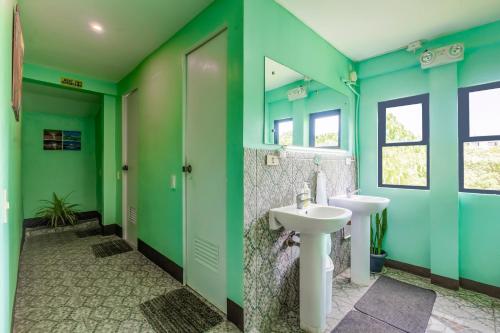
(399,304)
(356,322)
(88,232)
(179,311)
(110,248)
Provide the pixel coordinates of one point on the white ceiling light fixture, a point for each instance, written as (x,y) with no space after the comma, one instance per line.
(96,27)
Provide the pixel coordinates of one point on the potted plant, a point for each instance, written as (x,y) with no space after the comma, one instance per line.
(58,212)
(377,255)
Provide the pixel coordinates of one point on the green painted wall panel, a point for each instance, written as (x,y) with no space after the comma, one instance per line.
(408,237)
(443,201)
(10,173)
(109,164)
(159,80)
(62,172)
(53,76)
(479,238)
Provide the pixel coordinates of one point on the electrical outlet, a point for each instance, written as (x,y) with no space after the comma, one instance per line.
(272,160)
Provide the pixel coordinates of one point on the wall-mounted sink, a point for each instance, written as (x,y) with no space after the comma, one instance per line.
(313,219)
(314,223)
(361,206)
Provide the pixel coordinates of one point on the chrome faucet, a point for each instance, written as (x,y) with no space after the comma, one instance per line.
(350,192)
(300,199)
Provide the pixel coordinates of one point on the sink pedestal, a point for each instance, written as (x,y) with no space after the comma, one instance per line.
(315,224)
(312,282)
(360,249)
(362,206)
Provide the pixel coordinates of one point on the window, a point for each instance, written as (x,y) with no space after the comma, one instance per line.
(403,142)
(324,129)
(283,132)
(479,138)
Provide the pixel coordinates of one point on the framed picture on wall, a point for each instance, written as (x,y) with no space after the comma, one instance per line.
(52,139)
(17,63)
(62,140)
(72,140)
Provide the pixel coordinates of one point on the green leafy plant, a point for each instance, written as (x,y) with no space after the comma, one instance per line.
(377,235)
(58,212)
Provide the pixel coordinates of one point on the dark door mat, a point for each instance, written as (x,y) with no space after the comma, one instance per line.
(357,322)
(110,248)
(88,232)
(399,304)
(179,311)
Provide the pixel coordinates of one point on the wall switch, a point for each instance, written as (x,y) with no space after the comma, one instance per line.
(272,160)
(173,182)
(4,207)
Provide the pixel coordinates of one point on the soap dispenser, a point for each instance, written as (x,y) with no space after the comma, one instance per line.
(306,196)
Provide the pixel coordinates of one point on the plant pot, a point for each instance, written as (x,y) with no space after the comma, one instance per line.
(377,262)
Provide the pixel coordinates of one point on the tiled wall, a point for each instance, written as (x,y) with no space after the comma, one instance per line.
(272,268)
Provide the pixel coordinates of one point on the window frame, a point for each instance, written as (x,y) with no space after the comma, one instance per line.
(276,129)
(323,114)
(382,112)
(464,135)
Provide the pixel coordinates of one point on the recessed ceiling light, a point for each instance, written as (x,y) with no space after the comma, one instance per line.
(96,27)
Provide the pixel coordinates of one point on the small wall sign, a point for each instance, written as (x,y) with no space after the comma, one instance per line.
(71,82)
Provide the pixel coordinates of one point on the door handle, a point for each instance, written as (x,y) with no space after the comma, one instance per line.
(125,167)
(187,168)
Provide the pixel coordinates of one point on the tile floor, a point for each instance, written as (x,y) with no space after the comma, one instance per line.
(453,312)
(63,288)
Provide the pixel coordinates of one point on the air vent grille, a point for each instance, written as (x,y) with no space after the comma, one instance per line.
(132,215)
(206,253)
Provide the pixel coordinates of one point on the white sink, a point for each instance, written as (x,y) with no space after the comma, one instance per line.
(312,220)
(314,223)
(361,206)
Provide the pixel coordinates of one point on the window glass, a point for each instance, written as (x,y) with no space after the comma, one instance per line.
(404,123)
(482,165)
(403,139)
(285,132)
(326,131)
(404,165)
(484,112)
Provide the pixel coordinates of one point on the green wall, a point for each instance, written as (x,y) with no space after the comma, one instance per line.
(320,98)
(454,234)
(62,172)
(159,80)
(271,31)
(109,166)
(10,173)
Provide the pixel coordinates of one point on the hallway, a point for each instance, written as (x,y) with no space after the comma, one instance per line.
(64,288)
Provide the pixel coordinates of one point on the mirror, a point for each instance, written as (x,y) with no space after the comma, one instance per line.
(300,111)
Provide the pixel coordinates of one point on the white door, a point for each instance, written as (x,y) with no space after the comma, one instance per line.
(130,174)
(205,137)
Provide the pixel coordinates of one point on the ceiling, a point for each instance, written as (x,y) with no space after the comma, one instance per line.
(57,100)
(362,29)
(278,75)
(57,33)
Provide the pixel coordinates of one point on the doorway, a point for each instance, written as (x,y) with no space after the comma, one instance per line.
(130,119)
(205,168)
